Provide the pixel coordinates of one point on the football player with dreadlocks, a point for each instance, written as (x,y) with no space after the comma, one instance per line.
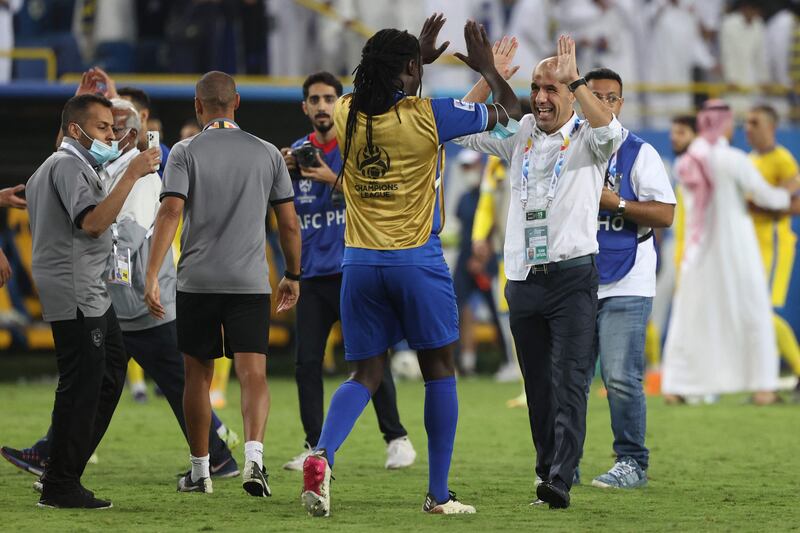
(396,283)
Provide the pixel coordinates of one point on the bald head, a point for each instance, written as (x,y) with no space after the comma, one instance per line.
(216,90)
(215,97)
(547,66)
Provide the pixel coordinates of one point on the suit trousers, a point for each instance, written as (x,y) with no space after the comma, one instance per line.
(553,318)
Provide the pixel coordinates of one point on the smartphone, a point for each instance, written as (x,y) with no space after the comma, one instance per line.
(153,139)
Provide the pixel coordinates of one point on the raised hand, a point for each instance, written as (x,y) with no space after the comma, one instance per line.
(88,84)
(479,51)
(567,65)
(427,38)
(9,198)
(504,51)
(97,81)
(110,87)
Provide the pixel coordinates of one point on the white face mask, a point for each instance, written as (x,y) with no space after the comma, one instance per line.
(504,132)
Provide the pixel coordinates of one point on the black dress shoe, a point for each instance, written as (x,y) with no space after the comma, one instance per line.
(557,498)
(80,499)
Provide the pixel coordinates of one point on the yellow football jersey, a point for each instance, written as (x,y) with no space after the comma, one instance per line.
(492,210)
(390,187)
(775,236)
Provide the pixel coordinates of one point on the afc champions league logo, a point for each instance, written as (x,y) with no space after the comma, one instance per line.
(305,186)
(373,161)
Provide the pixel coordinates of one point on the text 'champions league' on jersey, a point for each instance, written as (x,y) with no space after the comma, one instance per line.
(393,183)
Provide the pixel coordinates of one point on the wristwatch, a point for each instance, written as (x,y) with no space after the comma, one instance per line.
(293,277)
(621,206)
(575,84)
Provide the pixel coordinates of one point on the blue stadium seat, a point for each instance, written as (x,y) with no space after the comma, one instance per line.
(64,45)
(117,56)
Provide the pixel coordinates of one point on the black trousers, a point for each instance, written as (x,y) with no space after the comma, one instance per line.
(156,351)
(317,311)
(91,373)
(553,320)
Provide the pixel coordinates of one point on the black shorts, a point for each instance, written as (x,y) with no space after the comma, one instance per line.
(213,325)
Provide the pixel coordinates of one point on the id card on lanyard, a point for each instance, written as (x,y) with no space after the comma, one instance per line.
(536,231)
(120,261)
(613,178)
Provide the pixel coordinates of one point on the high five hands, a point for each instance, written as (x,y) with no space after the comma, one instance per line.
(567,65)
(504,51)
(479,50)
(427,38)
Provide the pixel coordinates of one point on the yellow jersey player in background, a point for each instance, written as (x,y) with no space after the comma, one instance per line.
(395,282)
(776,239)
(488,237)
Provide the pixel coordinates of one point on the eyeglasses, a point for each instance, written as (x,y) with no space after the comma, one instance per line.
(610,99)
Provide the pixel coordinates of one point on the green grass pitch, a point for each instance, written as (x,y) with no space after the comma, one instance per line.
(725,467)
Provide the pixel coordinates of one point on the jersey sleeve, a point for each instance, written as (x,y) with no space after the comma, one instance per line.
(455,118)
(650,179)
(789,168)
(281,190)
(74,189)
(176,174)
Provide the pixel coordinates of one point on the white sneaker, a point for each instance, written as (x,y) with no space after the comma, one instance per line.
(508,373)
(316,496)
(255,480)
(400,453)
(185,484)
(451,506)
(296,463)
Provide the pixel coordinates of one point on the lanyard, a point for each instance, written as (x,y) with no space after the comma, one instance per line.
(221,123)
(562,155)
(114,236)
(611,172)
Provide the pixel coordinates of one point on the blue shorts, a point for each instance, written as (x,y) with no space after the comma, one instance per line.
(382,305)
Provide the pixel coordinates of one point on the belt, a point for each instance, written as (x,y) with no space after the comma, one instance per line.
(556,266)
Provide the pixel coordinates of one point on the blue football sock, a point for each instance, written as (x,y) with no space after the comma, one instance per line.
(215,421)
(441,418)
(347,404)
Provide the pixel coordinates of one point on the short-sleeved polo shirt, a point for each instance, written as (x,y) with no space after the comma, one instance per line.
(69,266)
(228,179)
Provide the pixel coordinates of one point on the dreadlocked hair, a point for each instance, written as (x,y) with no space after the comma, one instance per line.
(377,80)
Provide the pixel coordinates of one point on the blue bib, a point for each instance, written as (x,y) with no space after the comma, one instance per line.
(321,223)
(619,238)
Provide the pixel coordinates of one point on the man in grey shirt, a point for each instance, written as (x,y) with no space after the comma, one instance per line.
(223,180)
(152,342)
(70,219)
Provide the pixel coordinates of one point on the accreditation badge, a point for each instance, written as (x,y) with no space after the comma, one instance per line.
(536,249)
(121,267)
